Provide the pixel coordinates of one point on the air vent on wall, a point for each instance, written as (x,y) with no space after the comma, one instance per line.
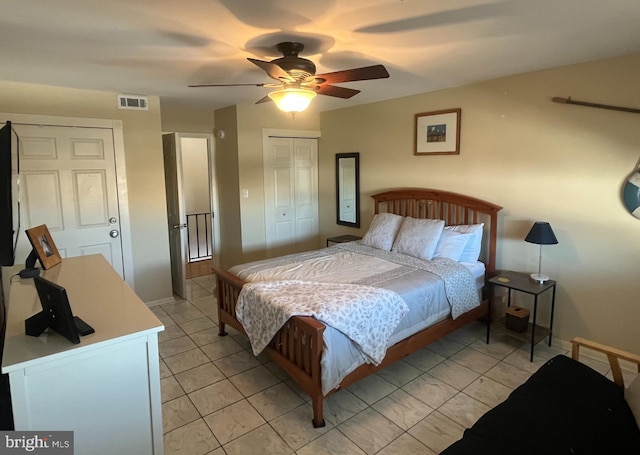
(133,102)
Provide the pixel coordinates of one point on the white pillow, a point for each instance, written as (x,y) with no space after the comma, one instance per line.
(382,231)
(471,251)
(451,244)
(632,395)
(418,237)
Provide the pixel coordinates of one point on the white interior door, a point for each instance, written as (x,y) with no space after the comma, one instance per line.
(176,215)
(68,182)
(291,193)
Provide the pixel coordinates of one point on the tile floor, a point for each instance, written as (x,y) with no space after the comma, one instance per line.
(220,399)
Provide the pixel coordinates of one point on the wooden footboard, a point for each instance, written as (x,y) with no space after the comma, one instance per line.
(296,348)
(229,287)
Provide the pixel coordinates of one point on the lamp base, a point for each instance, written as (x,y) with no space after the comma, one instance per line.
(538,278)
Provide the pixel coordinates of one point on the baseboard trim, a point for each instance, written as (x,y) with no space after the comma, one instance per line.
(160,302)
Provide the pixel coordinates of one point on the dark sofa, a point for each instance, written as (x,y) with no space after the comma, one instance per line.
(564,408)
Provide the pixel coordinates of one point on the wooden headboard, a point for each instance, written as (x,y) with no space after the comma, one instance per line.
(453,208)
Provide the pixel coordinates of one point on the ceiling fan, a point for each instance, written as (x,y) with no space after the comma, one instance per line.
(298,82)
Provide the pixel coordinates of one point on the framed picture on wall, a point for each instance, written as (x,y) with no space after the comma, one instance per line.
(437,133)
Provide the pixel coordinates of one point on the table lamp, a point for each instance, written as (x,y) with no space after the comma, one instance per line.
(541,234)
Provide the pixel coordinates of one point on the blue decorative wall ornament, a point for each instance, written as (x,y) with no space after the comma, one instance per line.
(631,194)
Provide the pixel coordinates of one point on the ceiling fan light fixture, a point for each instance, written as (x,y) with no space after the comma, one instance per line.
(292,99)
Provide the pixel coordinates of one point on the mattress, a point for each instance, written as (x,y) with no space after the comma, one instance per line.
(423,292)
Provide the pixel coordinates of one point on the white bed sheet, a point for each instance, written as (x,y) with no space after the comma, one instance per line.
(423,292)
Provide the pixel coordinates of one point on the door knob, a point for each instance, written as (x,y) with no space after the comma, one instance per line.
(113,234)
(179,226)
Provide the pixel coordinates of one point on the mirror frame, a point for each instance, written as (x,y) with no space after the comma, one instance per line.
(356,156)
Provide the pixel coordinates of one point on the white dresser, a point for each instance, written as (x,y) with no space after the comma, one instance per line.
(105,389)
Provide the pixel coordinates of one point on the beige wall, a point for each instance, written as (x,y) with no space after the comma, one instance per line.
(540,161)
(180,119)
(144,168)
(228,187)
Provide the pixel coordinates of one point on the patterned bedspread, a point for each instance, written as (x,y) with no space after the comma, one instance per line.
(366,314)
(361,268)
(350,267)
(458,281)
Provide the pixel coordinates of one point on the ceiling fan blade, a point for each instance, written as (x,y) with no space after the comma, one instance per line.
(273,70)
(265,99)
(442,18)
(228,85)
(355,74)
(338,92)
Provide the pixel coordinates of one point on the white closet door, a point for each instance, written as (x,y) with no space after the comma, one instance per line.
(291,194)
(306,192)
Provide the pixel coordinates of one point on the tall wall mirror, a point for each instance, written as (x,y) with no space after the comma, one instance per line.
(348,189)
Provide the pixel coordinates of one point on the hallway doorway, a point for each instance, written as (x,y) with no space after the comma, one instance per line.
(191,205)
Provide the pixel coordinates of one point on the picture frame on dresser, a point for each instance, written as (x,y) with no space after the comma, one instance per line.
(43,246)
(438,132)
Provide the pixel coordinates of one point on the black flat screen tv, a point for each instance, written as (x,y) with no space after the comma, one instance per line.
(9,194)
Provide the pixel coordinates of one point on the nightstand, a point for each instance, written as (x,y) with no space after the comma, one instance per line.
(516,281)
(342,239)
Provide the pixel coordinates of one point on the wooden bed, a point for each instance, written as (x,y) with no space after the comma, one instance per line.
(297,347)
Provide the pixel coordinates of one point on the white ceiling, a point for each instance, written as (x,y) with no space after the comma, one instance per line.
(159,47)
